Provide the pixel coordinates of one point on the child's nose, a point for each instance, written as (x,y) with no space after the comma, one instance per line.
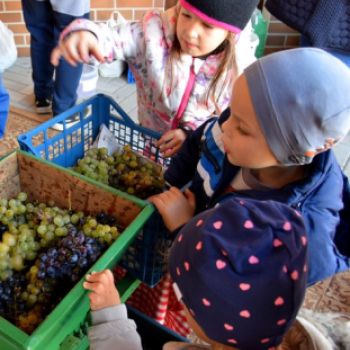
(193,30)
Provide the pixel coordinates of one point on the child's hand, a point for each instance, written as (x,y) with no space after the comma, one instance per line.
(104,293)
(171,142)
(176,209)
(76,48)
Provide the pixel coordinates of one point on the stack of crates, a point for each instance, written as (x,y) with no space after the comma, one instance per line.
(145,259)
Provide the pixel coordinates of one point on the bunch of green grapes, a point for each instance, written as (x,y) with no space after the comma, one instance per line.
(124,170)
(42,245)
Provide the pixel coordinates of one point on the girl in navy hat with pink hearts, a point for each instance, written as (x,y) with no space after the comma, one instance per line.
(241,281)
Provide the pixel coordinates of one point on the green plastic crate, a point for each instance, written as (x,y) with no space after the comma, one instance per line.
(66,326)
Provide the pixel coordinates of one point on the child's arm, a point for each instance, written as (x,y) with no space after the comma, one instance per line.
(83,38)
(175,208)
(111,327)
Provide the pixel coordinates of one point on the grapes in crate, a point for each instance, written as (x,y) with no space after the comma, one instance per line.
(42,246)
(124,170)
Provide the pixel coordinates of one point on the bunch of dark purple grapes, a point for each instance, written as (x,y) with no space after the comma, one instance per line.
(70,256)
(11,304)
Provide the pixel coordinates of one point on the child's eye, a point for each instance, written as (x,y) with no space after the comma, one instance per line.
(208,26)
(241,131)
(186,15)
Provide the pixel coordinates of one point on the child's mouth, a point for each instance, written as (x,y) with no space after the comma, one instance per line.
(189,45)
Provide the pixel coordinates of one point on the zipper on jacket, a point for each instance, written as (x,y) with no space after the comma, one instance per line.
(206,152)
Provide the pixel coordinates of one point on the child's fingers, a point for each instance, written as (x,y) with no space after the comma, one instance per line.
(96,287)
(109,275)
(71,48)
(87,285)
(66,55)
(175,191)
(165,139)
(55,56)
(94,277)
(170,152)
(191,199)
(95,301)
(83,50)
(95,51)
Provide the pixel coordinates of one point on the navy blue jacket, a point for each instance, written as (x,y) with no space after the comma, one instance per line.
(322,197)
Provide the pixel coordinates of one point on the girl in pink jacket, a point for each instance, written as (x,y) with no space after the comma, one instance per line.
(184,60)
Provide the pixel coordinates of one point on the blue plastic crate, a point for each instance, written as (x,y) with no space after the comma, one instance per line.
(130,77)
(145,259)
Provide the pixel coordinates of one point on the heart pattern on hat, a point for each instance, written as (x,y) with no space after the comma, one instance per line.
(245,313)
(281,322)
(244,286)
(228,327)
(220,264)
(287,226)
(294,275)
(206,302)
(253,260)
(200,222)
(277,242)
(248,224)
(279,301)
(218,225)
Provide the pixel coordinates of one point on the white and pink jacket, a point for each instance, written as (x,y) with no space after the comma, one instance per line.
(146,45)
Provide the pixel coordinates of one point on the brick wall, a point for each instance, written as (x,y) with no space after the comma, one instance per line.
(280,36)
(11,14)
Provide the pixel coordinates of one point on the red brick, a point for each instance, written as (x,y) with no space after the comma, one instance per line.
(280,28)
(18,28)
(293,40)
(159,3)
(102,4)
(138,14)
(13,6)
(134,3)
(276,40)
(19,39)
(23,51)
(11,17)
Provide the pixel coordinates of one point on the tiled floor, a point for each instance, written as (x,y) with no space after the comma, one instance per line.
(332,294)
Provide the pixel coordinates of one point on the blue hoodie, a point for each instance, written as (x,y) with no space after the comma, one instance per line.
(322,197)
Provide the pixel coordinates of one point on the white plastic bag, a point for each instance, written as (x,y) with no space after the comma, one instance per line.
(115,68)
(8,50)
